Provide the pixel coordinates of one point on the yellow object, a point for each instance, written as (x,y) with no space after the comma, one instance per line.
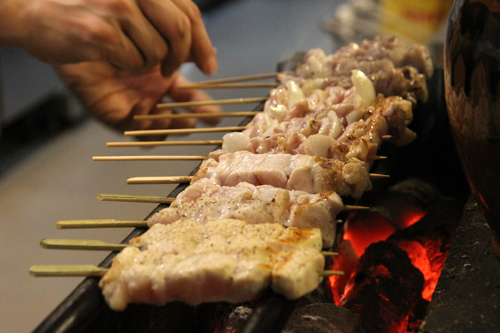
(415,21)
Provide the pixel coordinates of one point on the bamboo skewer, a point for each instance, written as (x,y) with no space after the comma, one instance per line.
(185,131)
(240,78)
(90,224)
(330,273)
(186,143)
(188,179)
(67,270)
(212,85)
(211,102)
(134,198)
(82,244)
(165,143)
(160,180)
(196,115)
(149,158)
(378,176)
(91,270)
(354,207)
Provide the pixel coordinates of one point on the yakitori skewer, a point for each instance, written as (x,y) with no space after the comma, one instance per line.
(211,102)
(229,85)
(196,115)
(171,158)
(150,158)
(188,179)
(111,223)
(134,198)
(91,270)
(185,131)
(97,245)
(165,143)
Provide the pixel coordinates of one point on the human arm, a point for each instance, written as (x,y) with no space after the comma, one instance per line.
(135,35)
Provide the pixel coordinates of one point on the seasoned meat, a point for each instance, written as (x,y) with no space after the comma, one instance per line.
(306,173)
(220,261)
(255,205)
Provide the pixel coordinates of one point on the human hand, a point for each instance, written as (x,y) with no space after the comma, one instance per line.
(135,35)
(115,96)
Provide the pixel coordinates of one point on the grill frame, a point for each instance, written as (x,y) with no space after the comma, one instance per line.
(84,310)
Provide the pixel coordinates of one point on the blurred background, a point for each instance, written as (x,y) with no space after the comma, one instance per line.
(47,141)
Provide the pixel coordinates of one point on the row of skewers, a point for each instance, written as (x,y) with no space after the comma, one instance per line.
(313,143)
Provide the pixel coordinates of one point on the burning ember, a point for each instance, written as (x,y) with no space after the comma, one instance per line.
(392,256)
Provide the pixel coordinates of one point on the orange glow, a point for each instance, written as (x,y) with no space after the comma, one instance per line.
(411,216)
(367,228)
(332,281)
(346,261)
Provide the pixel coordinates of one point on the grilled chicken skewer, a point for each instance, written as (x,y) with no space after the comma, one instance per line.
(206,200)
(112,223)
(223,260)
(97,245)
(360,140)
(393,68)
(91,270)
(331,111)
(311,174)
(188,179)
(180,158)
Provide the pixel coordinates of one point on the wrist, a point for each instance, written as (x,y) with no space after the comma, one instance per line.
(13,23)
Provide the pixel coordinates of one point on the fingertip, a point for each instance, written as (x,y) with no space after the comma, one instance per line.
(184,123)
(211,121)
(210,65)
(210,110)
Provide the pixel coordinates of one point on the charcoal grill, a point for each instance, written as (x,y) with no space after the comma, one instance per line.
(431,157)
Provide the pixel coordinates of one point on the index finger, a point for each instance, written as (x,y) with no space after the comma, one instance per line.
(175,27)
(202,50)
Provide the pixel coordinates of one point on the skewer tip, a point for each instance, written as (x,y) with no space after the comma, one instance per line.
(354,207)
(327,273)
(378,176)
